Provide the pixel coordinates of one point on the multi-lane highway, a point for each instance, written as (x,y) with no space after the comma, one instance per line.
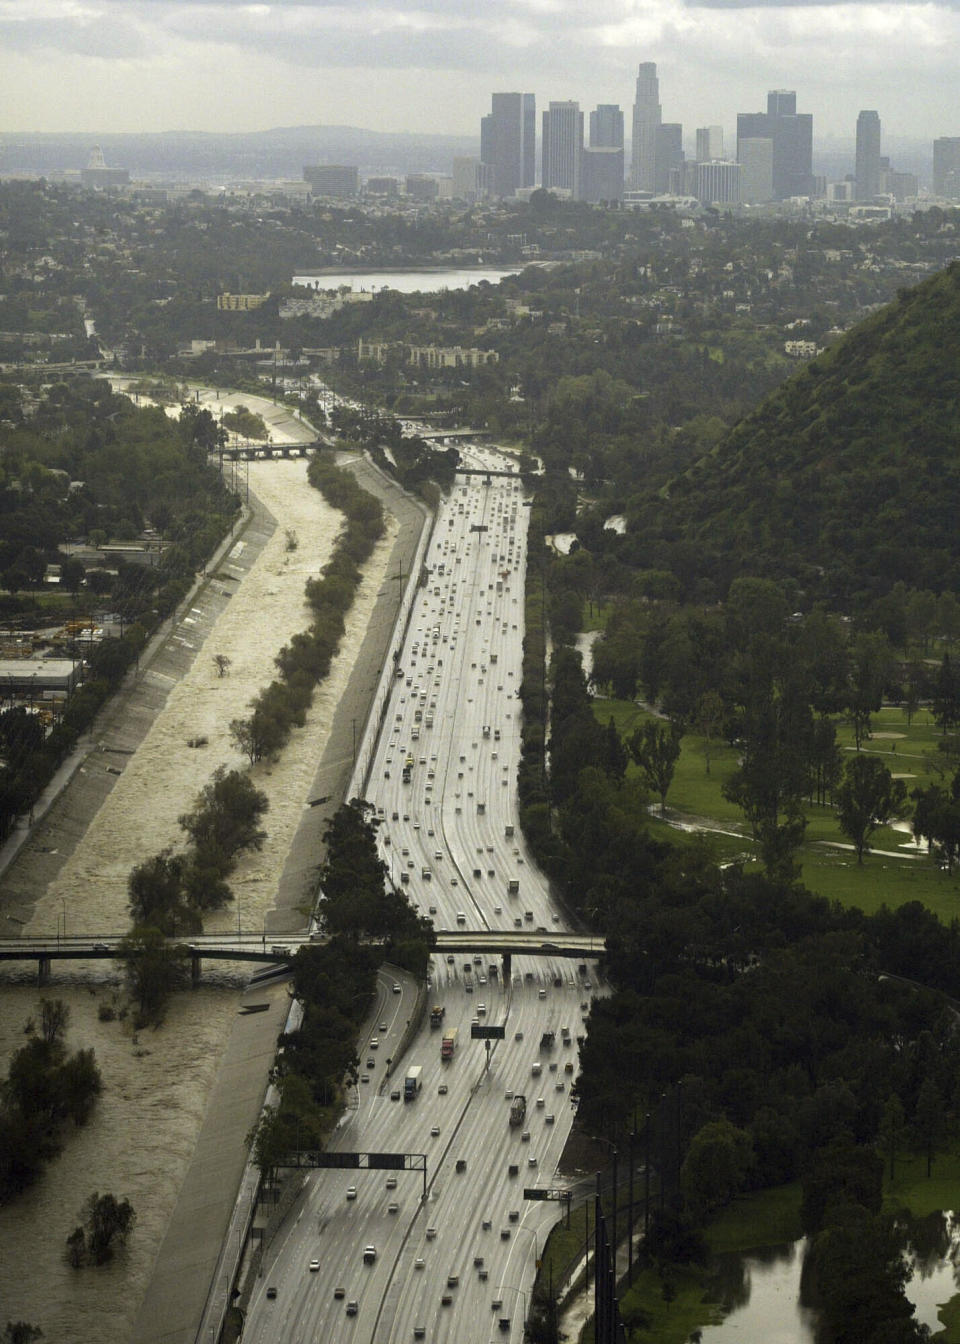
(458,1265)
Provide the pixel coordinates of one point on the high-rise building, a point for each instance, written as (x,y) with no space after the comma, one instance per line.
(668,154)
(471,179)
(601,173)
(646,119)
(508,141)
(946,167)
(709,143)
(868,156)
(332,179)
(756,177)
(718,183)
(562,147)
(606,127)
(792,136)
(98,177)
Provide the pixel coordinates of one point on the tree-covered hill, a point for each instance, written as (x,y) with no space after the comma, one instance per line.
(847,478)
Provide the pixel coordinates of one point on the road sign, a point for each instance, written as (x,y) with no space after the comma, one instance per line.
(481,1032)
(541,1192)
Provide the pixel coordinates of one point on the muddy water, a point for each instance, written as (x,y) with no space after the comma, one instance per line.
(156,1087)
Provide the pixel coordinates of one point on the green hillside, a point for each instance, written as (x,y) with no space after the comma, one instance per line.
(847,478)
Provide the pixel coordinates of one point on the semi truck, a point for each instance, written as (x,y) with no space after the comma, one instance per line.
(436,1016)
(449,1044)
(413,1082)
(547,1040)
(513,887)
(518,1109)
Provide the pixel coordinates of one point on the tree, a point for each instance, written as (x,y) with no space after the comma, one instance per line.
(154,970)
(72,574)
(708,720)
(222,664)
(929,1121)
(656,749)
(158,898)
(871,667)
(715,1167)
(893,1128)
(945,705)
(106,1222)
(21,1332)
(54,1017)
(225,819)
(867,798)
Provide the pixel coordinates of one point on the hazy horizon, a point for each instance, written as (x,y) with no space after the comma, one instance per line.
(169,66)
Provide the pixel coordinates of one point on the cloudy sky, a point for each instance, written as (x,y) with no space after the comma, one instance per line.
(429,65)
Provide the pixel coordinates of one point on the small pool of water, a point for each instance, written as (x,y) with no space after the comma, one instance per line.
(761,1291)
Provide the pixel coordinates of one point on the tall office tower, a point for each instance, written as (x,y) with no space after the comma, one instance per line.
(601,174)
(508,140)
(646,119)
(562,147)
(606,127)
(868,155)
(792,136)
(668,155)
(946,167)
(709,143)
(756,178)
(528,112)
(718,183)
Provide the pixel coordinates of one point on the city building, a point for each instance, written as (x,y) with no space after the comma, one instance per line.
(98,177)
(508,141)
(472,179)
(381,186)
(562,147)
(756,176)
(868,156)
(601,173)
(606,127)
(718,183)
(332,179)
(946,167)
(668,154)
(646,119)
(421,187)
(240,303)
(709,143)
(792,136)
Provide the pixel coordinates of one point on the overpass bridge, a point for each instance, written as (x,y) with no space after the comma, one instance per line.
(281,949)
(264,452)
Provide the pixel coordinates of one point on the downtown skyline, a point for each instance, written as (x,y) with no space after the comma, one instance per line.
(154,65)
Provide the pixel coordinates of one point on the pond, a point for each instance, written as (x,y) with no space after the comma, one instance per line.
(425,281)
(761,1290)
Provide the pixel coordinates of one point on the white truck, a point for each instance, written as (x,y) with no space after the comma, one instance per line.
(413,1082)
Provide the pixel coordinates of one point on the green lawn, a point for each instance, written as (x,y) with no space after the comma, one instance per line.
(888,875)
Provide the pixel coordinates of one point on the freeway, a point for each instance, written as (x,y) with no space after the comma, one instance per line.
(458,1266)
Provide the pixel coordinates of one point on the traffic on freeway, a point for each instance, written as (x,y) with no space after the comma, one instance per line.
(363,1255)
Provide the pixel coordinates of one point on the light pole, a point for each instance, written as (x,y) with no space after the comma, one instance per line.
(64,903)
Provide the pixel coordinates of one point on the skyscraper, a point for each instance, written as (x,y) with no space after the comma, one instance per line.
(792,136)
(606,127)
(946,167)
(756,178)
(668,154)
(508,141)
(646,119)
(562,147)
(601,174)
(709,143)
(868,155)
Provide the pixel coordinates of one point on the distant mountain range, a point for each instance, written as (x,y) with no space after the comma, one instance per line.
(278,153)
(283,151)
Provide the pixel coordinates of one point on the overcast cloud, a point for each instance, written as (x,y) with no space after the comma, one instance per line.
(430,65)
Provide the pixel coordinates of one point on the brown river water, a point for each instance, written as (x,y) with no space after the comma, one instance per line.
(157,1083)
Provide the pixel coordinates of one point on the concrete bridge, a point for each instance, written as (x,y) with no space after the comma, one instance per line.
(280,950)
(258,452)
